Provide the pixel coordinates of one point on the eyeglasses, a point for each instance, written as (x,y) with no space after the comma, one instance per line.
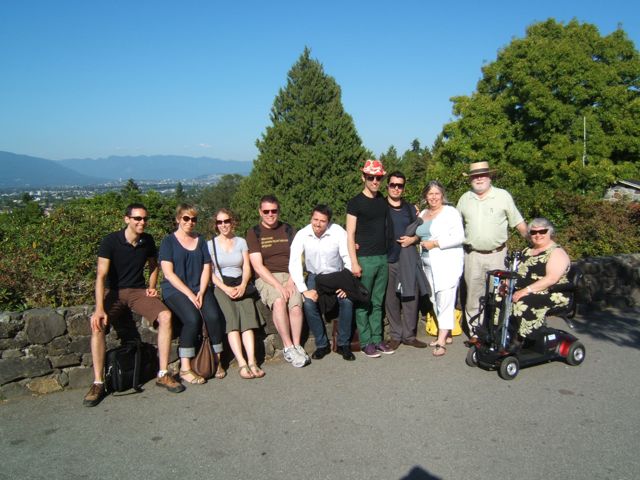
(140,219)
(187,218)
(399,186)
(371,178)
(542,231)
(226,221)
(273,211)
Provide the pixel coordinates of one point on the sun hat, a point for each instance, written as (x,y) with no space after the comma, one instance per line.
(478,168)
(373,167)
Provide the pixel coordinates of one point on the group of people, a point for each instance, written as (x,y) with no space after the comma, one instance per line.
(390,254)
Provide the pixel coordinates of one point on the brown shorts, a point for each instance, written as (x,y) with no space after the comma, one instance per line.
(119,303)
(269,294)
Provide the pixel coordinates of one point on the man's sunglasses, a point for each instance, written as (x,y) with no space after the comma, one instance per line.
(399,186)
(273,211)
(542,231)
(226,221)
(371,178)
(187,218)
(140,219)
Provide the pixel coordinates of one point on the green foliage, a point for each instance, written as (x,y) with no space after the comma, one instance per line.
(216,196)
(311,152)
(50,260)
(530,105)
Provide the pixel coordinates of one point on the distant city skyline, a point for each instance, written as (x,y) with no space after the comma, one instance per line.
(97,79)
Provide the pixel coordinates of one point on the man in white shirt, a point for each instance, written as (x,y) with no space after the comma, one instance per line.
(324,245)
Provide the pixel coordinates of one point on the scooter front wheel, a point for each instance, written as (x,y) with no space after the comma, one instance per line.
(509,368)
(576,353)
(472,356)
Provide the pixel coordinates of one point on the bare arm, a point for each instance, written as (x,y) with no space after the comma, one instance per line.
(522,228)
(557,265)
(265,274)
(99,318)
(176,282)
(152,291)
(351,245)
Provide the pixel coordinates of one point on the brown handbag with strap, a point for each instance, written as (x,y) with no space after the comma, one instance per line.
(203,363)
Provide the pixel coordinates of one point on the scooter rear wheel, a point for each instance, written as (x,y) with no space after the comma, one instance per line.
(576,354)
(509,368)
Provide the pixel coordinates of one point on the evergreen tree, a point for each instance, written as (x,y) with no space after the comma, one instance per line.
(309,154)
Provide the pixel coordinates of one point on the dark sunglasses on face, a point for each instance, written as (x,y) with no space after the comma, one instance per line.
(140,219)
(187,218)
(272,211)
(371,178)
(542,231)
(226,221)
(399,186)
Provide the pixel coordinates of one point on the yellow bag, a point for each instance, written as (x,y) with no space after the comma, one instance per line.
(432,323)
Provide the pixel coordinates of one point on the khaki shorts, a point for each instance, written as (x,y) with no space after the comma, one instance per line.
(268,294)
(119,303)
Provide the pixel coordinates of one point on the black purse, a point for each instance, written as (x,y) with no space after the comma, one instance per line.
(232,281)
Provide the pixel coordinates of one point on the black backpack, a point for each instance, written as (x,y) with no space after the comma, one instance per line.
(130,365)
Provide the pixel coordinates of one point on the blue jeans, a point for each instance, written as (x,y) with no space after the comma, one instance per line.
(316,324)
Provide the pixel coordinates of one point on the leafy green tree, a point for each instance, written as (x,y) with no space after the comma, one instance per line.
(309,154)
(391,160)
(217,196)
(533,101)
(131,192)
(180,194)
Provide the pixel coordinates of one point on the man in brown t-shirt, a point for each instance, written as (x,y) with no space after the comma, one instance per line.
(269,248)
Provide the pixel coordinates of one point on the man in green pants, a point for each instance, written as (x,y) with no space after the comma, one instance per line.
(367,242)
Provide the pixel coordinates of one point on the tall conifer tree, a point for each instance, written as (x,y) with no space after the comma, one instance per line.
(309,154)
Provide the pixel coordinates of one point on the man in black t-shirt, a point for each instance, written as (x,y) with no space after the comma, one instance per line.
(367,216)
(401,306)
(121,287)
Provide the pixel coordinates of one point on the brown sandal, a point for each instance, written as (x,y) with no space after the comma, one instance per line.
(439,348)
(197,379)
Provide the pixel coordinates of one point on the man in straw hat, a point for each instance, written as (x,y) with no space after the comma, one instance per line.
(487,212)
(367,228)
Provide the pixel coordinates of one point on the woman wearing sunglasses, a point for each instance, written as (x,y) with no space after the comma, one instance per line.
(186,266)
(235,295)
(543,265)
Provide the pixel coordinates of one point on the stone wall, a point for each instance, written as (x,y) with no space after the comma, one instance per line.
(46,350)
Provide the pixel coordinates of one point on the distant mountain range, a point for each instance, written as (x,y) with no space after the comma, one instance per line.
(26,171)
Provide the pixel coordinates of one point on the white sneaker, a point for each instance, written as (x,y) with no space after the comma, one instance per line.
(289,354)
(300,351)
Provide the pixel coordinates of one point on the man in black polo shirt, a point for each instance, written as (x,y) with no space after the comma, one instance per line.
(120,286)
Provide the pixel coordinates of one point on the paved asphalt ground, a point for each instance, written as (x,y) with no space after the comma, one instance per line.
(403,416)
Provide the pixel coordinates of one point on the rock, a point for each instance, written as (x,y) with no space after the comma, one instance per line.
(44,385)
(79,324)
(24,367)
(58,346)
(12,353)
(43,324)
(36,351)
(10,325)
(13,390)
(87,360)
(10,343)
(69,360)
(80,345)
(80,377)
(63,378)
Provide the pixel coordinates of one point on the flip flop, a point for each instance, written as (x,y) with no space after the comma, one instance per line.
(249,375)
(220,373)
(439,350)
(256,370)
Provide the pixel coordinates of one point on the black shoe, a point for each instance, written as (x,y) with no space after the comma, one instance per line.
(321,352)
(345,351)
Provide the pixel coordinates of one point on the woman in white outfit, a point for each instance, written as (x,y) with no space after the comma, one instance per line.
(441,236)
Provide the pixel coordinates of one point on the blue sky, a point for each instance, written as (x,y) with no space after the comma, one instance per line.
(124,77)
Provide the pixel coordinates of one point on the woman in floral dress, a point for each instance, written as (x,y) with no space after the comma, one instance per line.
(543,265)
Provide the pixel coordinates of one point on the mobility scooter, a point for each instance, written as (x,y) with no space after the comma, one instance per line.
(494,347)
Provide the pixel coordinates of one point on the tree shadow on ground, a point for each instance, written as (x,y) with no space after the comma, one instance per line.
(618,326)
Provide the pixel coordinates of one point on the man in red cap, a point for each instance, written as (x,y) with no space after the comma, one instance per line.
(367,228)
